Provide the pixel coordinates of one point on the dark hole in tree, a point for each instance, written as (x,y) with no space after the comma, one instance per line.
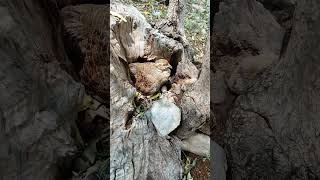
(168,85)
(129,120)
(174,61)
(74,54)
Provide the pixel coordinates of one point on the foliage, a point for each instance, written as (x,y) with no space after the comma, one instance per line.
(153,10)
(196,24)
(188,165)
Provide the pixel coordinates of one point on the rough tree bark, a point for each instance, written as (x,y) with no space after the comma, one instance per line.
(267,99)
(149,149)
(39,100)
(40,97)
(137,150)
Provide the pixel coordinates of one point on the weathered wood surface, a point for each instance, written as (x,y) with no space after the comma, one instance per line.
(42,91)
(271,110)
(137,150)
(39,100)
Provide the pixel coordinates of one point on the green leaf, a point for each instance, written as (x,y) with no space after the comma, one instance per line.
(189,177)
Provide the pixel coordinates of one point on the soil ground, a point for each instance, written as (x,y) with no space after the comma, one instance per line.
(201,168)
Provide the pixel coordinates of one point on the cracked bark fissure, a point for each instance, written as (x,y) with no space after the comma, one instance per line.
(264,117)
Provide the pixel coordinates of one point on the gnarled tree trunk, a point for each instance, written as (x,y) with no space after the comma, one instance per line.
(268,77)
(42,93)
(39,100)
